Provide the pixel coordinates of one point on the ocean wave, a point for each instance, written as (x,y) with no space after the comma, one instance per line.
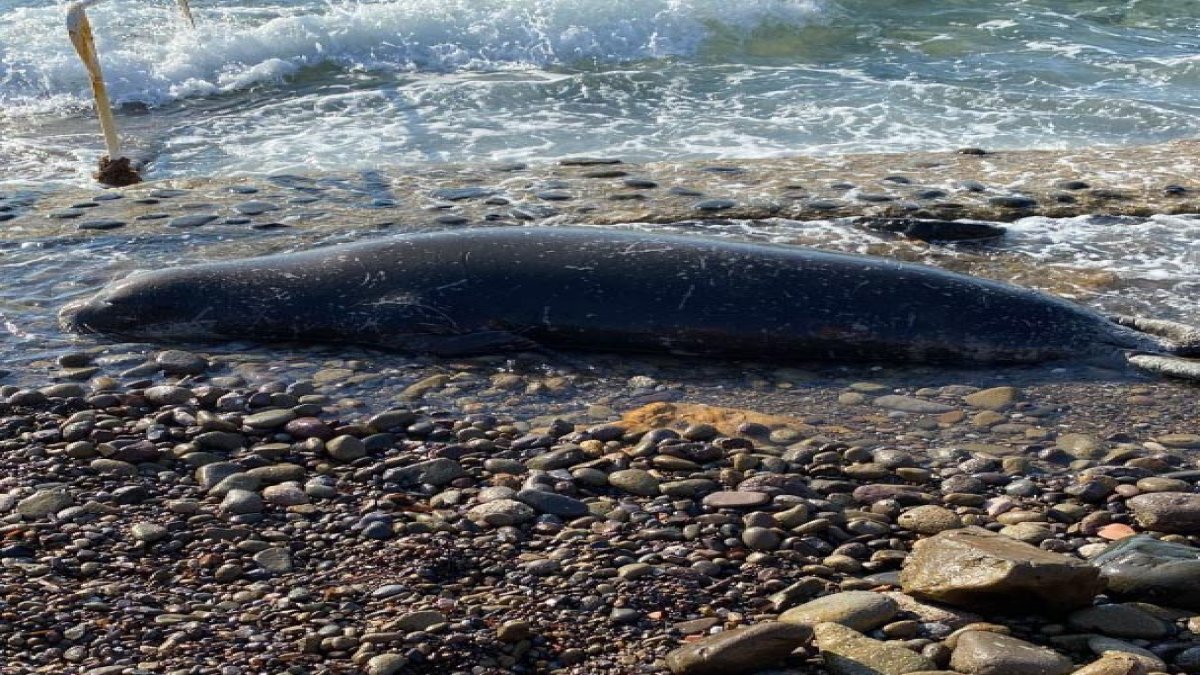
(234,48)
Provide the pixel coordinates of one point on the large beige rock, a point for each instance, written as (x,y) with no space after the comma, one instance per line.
(979,569)
(742,650)
(849,652)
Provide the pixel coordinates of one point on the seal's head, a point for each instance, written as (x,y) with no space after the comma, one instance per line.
(146,304)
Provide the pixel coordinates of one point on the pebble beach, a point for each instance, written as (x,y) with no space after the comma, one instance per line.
(242,508)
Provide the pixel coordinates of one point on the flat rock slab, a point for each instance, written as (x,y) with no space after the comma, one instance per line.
(1146,569)
(849,652)
(742,650)
(1175,512)
(860,610)
(985,653)
(733,499)
(979,569)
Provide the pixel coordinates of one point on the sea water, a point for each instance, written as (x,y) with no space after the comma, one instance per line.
(293,85)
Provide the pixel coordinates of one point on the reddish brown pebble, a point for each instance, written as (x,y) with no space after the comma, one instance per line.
(309,427)
(1116,531)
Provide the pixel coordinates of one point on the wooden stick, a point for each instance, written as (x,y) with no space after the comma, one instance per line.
(114,169)
(80,31)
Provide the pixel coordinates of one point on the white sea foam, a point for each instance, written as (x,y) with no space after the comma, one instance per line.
(1156,257)
(346,84)
(150,57)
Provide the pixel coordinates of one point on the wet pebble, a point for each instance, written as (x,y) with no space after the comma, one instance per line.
(101,224)
(193,220)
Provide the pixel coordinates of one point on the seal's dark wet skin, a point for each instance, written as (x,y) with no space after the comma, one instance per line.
(487,290)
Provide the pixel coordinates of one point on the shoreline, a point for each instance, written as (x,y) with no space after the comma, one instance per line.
(995,186)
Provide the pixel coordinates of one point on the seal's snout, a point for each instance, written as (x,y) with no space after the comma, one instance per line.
(94,315)
(73,317)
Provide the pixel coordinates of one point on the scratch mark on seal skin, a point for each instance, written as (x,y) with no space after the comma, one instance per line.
(546,316)
(201,314)
(443,287)
(641,247)
(687,296)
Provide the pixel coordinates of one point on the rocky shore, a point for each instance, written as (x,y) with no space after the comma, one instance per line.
(237,509)
(174,518)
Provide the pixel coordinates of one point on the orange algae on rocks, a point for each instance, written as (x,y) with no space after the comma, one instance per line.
(727,421)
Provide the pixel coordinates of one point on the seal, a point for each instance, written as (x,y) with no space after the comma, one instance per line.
(480,290)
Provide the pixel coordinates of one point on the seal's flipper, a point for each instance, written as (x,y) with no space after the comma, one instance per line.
(463,344)
(1184,339)
(1171,366)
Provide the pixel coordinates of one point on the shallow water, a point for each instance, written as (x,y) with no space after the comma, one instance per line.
(304,85)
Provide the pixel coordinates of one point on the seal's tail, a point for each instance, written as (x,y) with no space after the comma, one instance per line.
(1181,339)
(1170,366)
(1178,341)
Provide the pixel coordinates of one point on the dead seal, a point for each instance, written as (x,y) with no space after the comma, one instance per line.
(482,290)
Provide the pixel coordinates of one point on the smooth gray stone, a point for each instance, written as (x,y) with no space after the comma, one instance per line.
(1118,620)
(195,220)
(1146,569)
(715,204)
(553,503)
(1013,202)
(101,224)
(984,653)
